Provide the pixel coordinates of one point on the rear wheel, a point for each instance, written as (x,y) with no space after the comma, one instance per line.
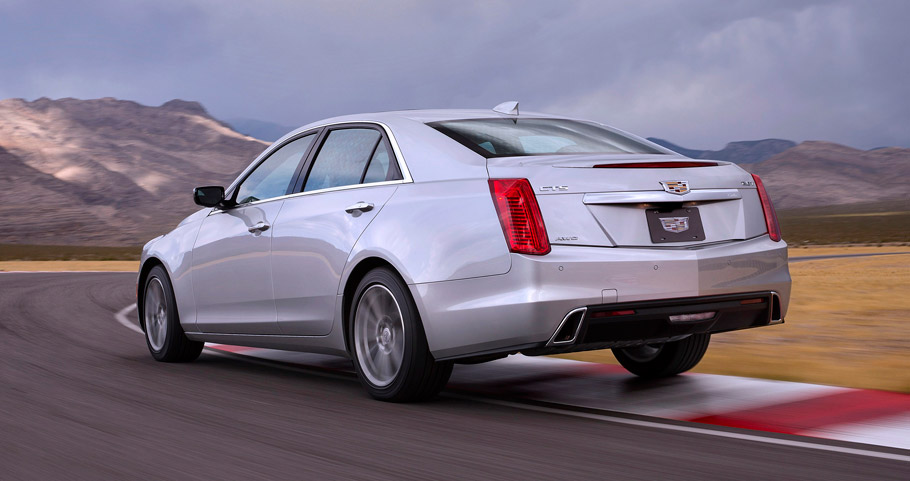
(163,334)
(663,360)
(390,350)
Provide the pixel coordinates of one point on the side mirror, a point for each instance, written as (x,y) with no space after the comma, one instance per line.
(209,196)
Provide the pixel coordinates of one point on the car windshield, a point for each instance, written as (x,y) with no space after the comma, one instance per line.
(519,137)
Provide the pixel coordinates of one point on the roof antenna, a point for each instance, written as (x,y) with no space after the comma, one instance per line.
(508,108)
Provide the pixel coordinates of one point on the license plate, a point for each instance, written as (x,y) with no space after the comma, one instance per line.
(677,225)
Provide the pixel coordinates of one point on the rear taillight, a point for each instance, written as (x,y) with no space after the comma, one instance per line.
(520,216)
(768,209)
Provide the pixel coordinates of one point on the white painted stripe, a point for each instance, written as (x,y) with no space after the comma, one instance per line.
(889,431)
(696,430)
(120,316)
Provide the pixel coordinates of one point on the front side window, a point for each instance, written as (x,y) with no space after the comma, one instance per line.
(344,156)
(522,137)
(272,177)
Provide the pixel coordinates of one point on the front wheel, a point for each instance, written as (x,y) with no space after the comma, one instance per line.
(163,334)
(663,360)
(390,350)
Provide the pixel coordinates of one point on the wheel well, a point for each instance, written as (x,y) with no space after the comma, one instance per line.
(150,263)
(360,270)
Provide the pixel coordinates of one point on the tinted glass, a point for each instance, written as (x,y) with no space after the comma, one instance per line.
(273,176)
(382,166)
(513,137)
(342,158)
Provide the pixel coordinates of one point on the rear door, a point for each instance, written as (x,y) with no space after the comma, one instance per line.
(231,274)
(353,173)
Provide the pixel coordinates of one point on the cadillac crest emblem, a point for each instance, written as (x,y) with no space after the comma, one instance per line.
(675,224)
(676,186)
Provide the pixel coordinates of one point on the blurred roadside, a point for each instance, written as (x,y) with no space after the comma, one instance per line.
(848,324)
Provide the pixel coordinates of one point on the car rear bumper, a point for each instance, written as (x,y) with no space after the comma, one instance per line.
(522,309)
(626,324)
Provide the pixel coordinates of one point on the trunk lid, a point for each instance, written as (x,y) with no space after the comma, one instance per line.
(620,200)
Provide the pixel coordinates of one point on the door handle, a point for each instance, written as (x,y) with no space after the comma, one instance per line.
(361,206)
(259,227)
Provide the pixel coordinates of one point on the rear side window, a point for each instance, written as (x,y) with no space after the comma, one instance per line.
(521,137)
(352,156)
(382,166)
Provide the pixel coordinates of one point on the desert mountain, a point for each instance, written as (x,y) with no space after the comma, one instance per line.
(742,152)
(107,171)
(818,173)
(259,129)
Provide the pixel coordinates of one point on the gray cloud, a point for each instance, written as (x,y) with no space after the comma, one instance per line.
(697,72)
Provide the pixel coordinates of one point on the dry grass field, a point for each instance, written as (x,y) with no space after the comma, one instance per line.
(848,325)
(31,252)
(67,266)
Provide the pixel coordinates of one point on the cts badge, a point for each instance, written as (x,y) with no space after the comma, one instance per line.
(554,188)
(676,186)
(675,224)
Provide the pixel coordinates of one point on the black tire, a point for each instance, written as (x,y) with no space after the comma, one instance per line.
(418,376)
(172,345)
(670,359)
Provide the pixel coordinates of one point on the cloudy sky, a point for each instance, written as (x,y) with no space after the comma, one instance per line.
(697,72)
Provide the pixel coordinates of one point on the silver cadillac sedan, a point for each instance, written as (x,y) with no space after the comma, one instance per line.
(409,241)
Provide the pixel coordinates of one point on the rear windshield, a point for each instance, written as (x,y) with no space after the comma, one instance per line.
(515,137)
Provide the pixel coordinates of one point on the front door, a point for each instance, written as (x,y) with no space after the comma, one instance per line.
(232,274)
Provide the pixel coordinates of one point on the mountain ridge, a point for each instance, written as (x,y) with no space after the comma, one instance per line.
(116,172)
(740,152)
(108,171)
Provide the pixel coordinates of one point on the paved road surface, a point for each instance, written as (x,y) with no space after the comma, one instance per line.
(80,398)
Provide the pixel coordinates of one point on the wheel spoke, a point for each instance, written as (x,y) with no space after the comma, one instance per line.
(396,354)
(379,335)
(155,314)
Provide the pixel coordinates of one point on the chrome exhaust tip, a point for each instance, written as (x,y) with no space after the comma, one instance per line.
(776,317)
(569,328)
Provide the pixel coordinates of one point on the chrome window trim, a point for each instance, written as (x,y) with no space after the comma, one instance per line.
(216,210)
(402,166)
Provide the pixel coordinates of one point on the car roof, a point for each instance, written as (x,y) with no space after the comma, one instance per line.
(424,116)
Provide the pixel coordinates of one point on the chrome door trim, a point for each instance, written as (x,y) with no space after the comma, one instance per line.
(216,210)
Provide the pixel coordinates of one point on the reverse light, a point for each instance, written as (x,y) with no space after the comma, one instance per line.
(768,209)
(520,216)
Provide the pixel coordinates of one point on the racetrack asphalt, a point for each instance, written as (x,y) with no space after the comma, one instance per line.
(81,398)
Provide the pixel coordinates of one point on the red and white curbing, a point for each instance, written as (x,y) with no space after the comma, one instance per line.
(857,415)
